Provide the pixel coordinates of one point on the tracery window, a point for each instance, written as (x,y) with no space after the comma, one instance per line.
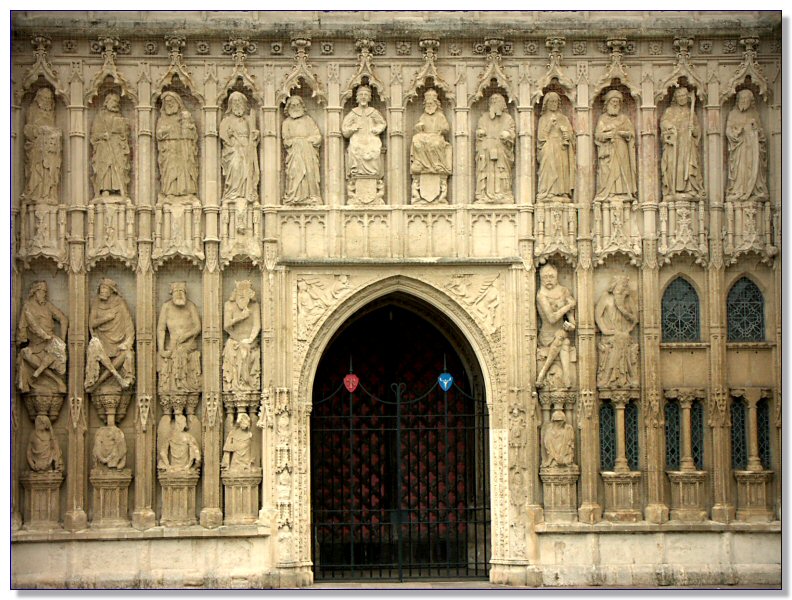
(763,431)
(631,445)
(739,439)
(680,312)
(745,312)
(697,433)
(672,435)
(607,437)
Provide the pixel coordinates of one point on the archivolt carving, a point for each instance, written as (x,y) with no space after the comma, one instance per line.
(302,71)
(109,47)
(482,297)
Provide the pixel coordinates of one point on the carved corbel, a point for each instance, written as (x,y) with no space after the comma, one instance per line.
(109,47)
(494,71)
(302,71)
(365,72)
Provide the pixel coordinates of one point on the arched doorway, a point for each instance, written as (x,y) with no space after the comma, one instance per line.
(399,467)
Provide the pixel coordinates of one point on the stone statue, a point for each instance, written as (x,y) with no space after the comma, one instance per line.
(241,355)
(495,135)
(181,453)
(177,146)
(237,448)
(42,150)
(240,156)
(616,315)
(41,365)
(302,139)
(747,151)
(555,142)
(43,451)
(555,304)
(110,364)
(178,335)
(617,173)
(681,162)
(430,153)
(110,142)
(363,126)
(558,441)
(110,448)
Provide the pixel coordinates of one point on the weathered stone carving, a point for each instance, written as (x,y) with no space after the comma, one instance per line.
(240,138)
(555,305)
(241,477)
(558,441)
(177,145)
(314,298)
(179,356)
(43,141)
(365,175)
(241,355)
(110,448)
(111,154)
(430,154)
(181,452)
(237,457)
(747,151)
(616,315)
(555,141)
(43,452)
(495,136)
(302,139)
(615,139)
(681,163)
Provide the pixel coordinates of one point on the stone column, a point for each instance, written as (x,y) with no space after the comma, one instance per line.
(396,159)
(752,397)
(621,465)
(335,141)
(686,459)
(526,166)
(463,182)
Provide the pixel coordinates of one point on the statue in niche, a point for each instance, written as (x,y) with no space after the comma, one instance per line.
(555,141)
(110,448)
(302,139)
(555,304)
(240,157)
(430,154)
(43,451)
(495,135)
(110,143)
(241,355)
(181,453)
(617,173)
(110,364)
(558,441)
(237,456)
(41,365)
(43,156)
(747,151)
(681,162)
(363,126)
(177,146)
(616,315)
(178,333)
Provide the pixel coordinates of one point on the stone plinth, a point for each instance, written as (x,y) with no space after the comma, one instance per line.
(622,496)
(687,495)
(42,499)
(754,495)
(241,497)
(110,497)
(560,493)
(178,498)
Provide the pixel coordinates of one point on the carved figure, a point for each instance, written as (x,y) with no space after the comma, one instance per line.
(302,139)
(240,156)
(41,365)
(430,153)
(558,441)
(681,162)
(181,453)
(110,143)
(43,451)
(747,151)
(110,364)
(236,450)
(363,126)
(615,139)
(495,135)
(177,145)
(555,141)
(555,304)
(42,150)
(178,332)
(616,315)
(241,355)
(110,447)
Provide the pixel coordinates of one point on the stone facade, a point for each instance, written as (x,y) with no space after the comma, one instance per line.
(592,200)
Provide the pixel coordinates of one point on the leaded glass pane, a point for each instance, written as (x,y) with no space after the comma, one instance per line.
(697,433)
(680,312)
(672,435)
(607,437)
(738,439)
(763,431)
(631,435)
(745,312)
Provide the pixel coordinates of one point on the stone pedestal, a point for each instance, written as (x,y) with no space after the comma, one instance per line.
(241,497)
(366,190)
(754,495)
(42,499)
(110,497)
(622,496)
(687,495)
(560,493)
(178,498)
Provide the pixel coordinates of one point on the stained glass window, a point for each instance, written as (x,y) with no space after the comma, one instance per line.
(680,312)
(697,433)
(672,435)
(745,312)
(738,439)
(607,437)
(631,435)
(763,431)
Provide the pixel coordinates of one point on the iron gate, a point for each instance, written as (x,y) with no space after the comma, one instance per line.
(399,484)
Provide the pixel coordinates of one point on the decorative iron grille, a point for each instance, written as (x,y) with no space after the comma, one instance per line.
(672,435)
(631,445)
(745,312)
(763,431)
(738,439)
(680,312)
(697,433)
(607,437)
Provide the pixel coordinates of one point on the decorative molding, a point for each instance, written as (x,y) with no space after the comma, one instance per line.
(682,68)
(302,70)
(109,47)
(748,68)
(175,45)
(616,69)
(41,68)
(555,44)
(427,71)
(144,406)
(494,71)
(364,73)
(239,48)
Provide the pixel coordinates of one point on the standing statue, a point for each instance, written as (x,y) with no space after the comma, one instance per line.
(177,145)
(41,365)
(43,451)
(555,142)
(42,150)
(110,142)
(241,355)
(181,453)
(240,156)
(617,173)
(363,126)
(558,441)
(301,138)
(681,162)
(495,135)
(237,454)
(178,333)
(555,304)
(616,315)
(747,151)
(430,154)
